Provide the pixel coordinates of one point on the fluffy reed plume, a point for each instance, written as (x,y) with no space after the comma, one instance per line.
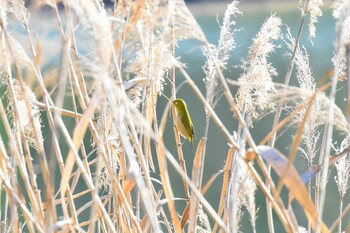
(27,117)
(220,54)
(153,62)
(113,154)
(185,25)
(342,177)
(203,221)
(302,230)
(343,170)
(341,14)
(241,193)
(94,15)
(340,8)
(246,195)
(256,83)
(314,8)
(18,56)
(82,147)
(295,94)
(16,8)
(307,84)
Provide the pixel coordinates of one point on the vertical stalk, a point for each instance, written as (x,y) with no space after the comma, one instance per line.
(173,94)
(279,109)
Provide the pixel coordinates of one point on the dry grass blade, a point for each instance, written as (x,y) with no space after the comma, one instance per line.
(128,185)
(26,212)
(64,112)
(204,202)
(167,185)
(296,142)
(78,135)
(225,181)
(276,204)
(136,14)
(196,172)
(209,183)
(282,123)
(204,189)
(292,181)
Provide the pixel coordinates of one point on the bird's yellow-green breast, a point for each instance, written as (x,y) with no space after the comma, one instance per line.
(183,120)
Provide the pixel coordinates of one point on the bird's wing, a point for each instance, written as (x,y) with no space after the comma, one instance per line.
(189,123)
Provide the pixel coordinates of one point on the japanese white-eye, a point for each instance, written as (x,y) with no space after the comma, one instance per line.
(183,120)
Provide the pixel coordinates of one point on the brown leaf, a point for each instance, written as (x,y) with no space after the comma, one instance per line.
(128,185)
(196,173)
(292,181)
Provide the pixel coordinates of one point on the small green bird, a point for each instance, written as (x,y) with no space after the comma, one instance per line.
(183,120)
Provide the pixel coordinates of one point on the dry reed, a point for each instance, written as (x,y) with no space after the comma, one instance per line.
(82,148)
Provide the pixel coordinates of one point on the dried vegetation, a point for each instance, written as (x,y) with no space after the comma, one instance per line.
(82,149)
